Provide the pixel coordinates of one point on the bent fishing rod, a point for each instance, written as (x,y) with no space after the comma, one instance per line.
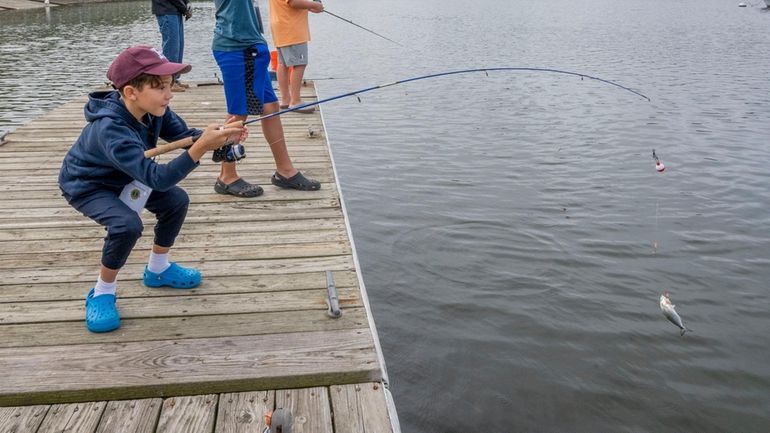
(188,141)
(441,74)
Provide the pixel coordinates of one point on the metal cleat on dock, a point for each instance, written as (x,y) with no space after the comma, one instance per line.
(334,310)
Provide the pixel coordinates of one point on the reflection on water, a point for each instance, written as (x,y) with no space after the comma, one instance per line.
(55,54)
(505,223)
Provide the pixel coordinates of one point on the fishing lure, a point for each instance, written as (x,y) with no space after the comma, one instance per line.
(658,165)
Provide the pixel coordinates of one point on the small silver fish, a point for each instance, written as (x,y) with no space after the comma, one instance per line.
(670,313)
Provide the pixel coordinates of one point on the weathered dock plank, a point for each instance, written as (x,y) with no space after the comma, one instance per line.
(195,414)
(182,327)
(74,417)
(26,249)
(187,254)
(185,367)
(22,418)
(310,408)
(84,273)
(89,233)
(135,416)
(359,408)
(133,288)
(244,412)
(353,408)
(255,331)
(176,306)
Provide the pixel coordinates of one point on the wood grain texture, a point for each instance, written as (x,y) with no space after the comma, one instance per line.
(22,418)
(194,414)
(309,407)
(244,412)
(135,416)
(223,284)
(185,367)
(77,417)
(359,408)
(182,327)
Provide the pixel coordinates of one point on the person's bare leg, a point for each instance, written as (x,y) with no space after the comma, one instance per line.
(157,249)
(272,129)
(108,275)
(228,173)
(283,83)
(295,84)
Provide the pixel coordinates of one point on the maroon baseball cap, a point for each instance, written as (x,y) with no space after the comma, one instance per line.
(141,59)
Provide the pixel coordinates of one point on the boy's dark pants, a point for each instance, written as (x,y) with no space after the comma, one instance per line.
(124,226)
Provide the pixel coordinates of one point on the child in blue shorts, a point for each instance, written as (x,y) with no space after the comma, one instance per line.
(243,57)
(105,173)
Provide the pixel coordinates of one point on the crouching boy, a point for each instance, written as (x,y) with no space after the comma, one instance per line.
(105,174)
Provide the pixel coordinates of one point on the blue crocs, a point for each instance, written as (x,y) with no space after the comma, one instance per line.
(101,313)
(175,276)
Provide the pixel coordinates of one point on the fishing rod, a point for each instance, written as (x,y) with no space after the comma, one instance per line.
(441,74)
(184,142)
(189,140)
(362,27)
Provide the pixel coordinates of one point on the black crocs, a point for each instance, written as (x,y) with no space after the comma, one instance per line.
(239,188)
(298,181)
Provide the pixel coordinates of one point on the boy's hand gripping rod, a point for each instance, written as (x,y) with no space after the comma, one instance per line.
(185,142)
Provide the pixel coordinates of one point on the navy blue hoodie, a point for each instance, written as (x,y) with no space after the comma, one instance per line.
(109,153)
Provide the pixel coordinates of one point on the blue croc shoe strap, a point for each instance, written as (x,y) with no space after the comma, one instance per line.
(175,276)
(101,313)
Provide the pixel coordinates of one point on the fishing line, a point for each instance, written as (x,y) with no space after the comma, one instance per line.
(660,168)
(441,74)
(655,242)
(362,27)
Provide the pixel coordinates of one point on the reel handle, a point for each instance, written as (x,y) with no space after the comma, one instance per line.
(188,141)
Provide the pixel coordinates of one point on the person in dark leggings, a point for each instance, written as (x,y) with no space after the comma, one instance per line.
(106,177)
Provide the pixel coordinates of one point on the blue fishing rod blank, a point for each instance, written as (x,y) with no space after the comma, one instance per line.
(442,74)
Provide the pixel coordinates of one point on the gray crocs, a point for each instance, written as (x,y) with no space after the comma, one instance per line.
(239,188)
(298,181)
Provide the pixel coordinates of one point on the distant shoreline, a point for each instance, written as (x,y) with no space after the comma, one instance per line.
(6,5)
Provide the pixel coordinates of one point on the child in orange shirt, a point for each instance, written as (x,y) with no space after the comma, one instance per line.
(291,33)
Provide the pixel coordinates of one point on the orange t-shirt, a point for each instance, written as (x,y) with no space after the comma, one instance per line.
(288,25)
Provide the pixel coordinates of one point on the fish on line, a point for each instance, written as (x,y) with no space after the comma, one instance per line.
(669,310)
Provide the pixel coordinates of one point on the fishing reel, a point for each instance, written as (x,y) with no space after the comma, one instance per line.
(230,152)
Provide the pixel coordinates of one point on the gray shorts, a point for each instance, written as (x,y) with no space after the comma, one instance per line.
(293,55)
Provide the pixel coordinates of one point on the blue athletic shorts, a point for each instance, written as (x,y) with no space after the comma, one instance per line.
(247,83)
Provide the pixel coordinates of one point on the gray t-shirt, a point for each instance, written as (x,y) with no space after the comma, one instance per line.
(236,26)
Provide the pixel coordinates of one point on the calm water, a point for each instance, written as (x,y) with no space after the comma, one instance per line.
(513,233)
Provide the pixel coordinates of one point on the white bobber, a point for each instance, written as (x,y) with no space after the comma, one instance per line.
(659,166)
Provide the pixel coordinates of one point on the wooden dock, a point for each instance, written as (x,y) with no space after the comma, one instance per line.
(254,336)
